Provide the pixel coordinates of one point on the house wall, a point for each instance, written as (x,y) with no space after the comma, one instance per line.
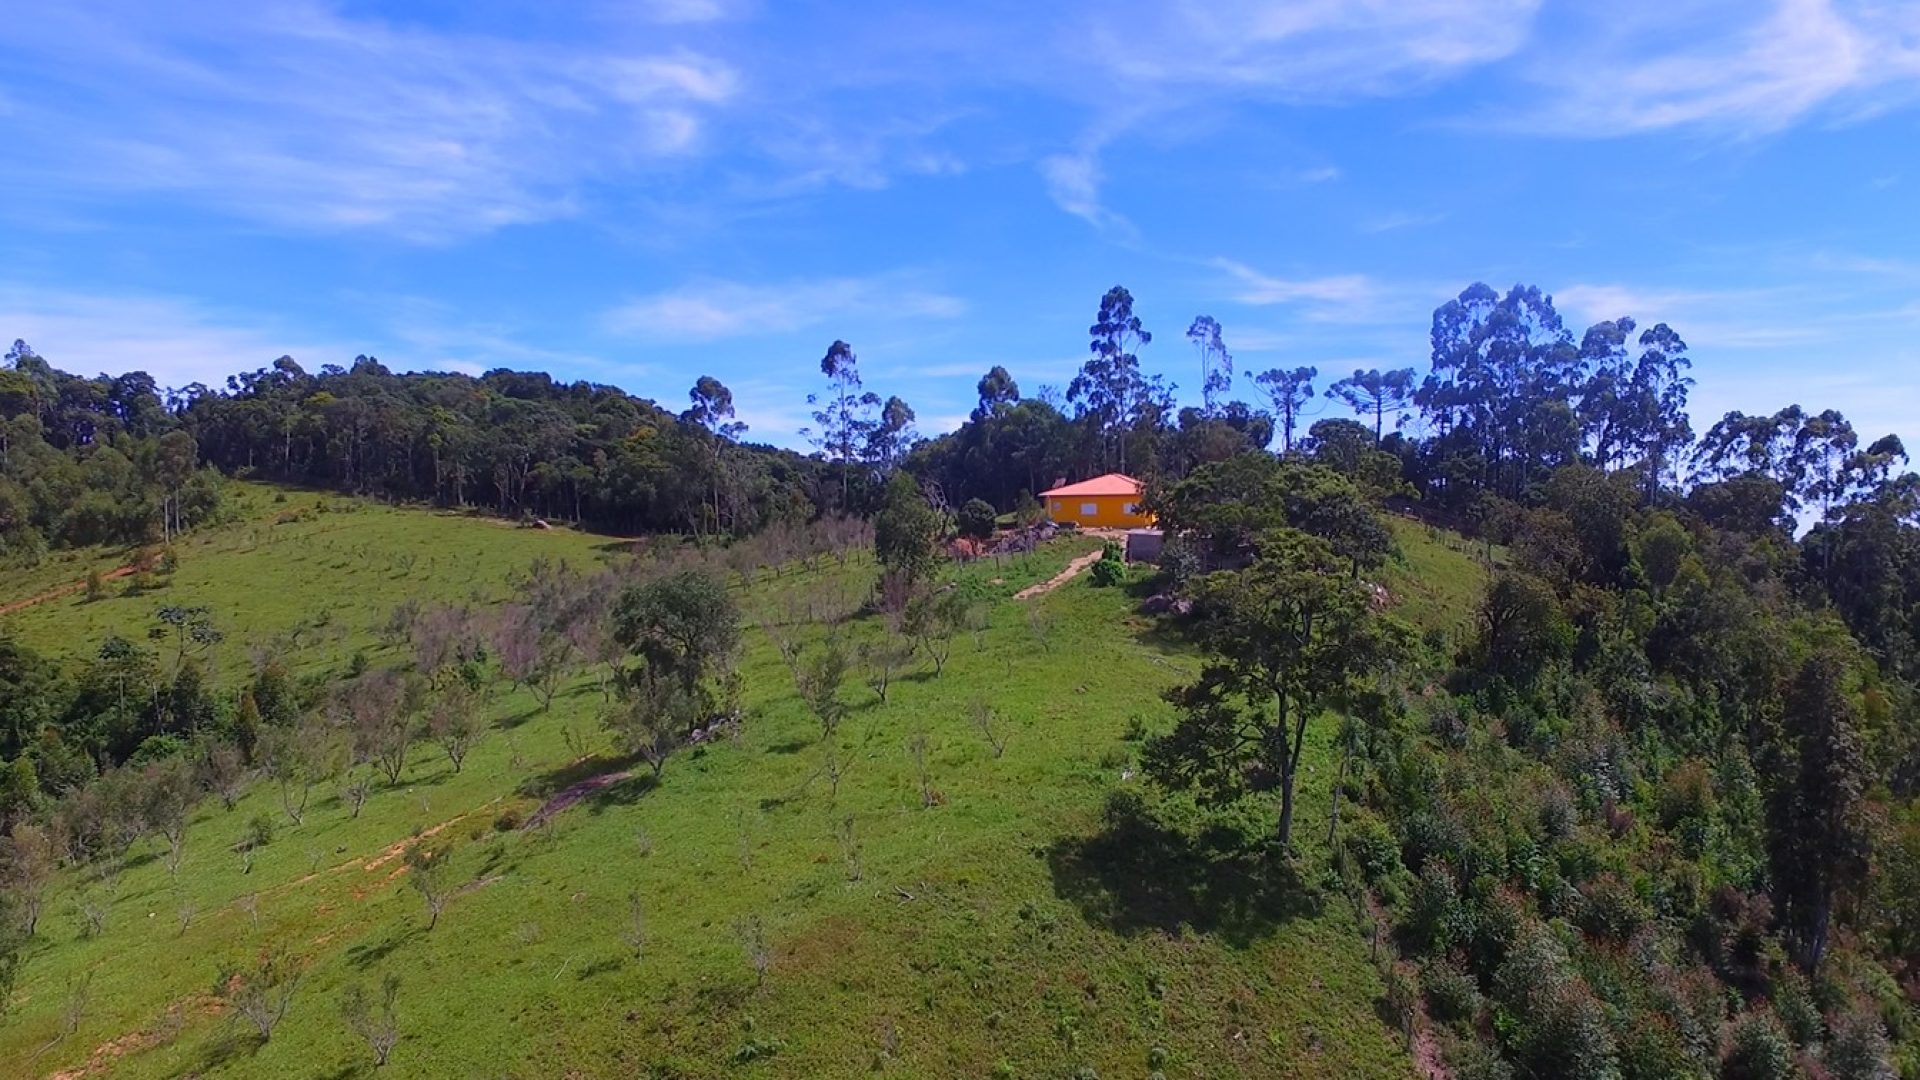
(1098,511)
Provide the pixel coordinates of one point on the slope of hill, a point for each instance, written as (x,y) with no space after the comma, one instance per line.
(948,909)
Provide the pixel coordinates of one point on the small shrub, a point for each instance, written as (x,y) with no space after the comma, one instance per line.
(1452,995)
(259,832)
(507,820)
(1111,569)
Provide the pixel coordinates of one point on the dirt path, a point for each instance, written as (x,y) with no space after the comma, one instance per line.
(65,590)
(561,800)
(1074,569)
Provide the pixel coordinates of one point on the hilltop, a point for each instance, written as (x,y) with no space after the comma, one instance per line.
(976,930)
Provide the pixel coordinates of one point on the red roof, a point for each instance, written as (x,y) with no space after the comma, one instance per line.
(1111,484)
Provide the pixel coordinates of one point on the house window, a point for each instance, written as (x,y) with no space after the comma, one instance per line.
(1133,508)
(1056,506)
(1089,509)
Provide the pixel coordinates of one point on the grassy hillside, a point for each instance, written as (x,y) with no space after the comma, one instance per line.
(996,932)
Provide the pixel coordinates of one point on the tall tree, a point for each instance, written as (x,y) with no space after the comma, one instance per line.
(890,436)
(1109,388)
(1216,363)
(1290,391)
(1819,827)
(843,416)
(1375,393)
(712,410)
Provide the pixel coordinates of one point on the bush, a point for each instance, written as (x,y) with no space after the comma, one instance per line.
(507,820)
(1373,848)
(1610,909)
(1452,995)
(1758,1049)
(259,832)
(975,519)
(1111,570)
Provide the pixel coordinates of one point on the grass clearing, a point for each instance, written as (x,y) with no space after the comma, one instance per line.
(973,937)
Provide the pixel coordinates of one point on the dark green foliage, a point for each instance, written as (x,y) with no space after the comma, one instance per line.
(906,531)
(1111,569)
(975,519)
(1758,1049)
(1817,823)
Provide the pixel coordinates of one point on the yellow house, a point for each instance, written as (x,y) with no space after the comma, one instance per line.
(1107,502)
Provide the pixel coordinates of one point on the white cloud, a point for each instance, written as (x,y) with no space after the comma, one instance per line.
(295,115)
(1308,49)
(1073,183)
(176,341)
(1258,289)
(711,309)
(1673,66)
(684,11)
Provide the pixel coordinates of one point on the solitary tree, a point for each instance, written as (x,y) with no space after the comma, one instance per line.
(685,630)
(259,992)
(427,873)
(1288,635)
(375,1022)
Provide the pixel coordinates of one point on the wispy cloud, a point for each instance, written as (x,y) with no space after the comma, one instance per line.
(304,118)
(1394,222)
(1656,67)
(1311,51)
(712,309)
(1260,290)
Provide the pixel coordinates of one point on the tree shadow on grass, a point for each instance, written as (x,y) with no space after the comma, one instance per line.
(227,1043)
(622,793)
(1139,875)
(509,723)
(541,785)
(368,953)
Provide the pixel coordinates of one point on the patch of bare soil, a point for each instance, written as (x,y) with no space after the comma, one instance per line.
(66,590)
(1074,569)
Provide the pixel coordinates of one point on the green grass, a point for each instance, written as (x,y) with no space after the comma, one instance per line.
(1438,579)
(976,934)
(319,582)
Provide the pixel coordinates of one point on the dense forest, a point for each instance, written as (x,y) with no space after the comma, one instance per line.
(1652,815)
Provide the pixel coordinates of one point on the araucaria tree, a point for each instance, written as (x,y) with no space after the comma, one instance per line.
(1290,634)
(1290,391)
(1376,394)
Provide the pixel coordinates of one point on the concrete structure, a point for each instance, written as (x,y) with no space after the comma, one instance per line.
(1143,545)
(1105,502)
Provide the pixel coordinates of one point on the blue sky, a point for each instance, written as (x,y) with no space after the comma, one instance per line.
(641,192)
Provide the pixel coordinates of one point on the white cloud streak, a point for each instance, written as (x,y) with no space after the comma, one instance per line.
(713,309)
(1668,66)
